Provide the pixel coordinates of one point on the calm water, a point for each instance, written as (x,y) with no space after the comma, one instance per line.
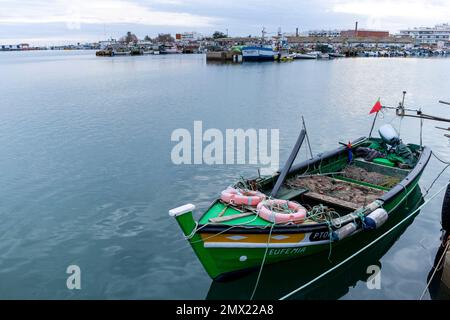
(87,179)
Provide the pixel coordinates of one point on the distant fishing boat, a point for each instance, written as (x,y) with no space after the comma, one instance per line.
(258,53)
(304,56)
(170,50)
(336,55)
(310,208)
(121,52)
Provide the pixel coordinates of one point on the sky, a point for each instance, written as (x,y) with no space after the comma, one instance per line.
(52,22)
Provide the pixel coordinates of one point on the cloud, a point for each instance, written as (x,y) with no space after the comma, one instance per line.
(97,12)
(422,10)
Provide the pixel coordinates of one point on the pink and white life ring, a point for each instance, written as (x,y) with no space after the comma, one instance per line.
(293,212)
(242,197)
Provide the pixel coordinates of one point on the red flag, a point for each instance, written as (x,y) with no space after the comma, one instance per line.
(376,107)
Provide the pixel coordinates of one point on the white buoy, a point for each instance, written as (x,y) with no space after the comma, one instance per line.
(375,219)
(344,231)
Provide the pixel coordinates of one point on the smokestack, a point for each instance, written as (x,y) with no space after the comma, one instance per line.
(356,29)
(296,32)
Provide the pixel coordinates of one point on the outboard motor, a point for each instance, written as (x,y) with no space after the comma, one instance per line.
(389,135)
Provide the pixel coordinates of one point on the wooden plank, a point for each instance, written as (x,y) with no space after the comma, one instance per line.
(288,194)
(332,200)
(230,217)
(221,213)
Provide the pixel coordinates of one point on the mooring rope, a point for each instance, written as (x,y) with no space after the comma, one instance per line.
(262,263)
(435,269)
(440,173)
(365,247)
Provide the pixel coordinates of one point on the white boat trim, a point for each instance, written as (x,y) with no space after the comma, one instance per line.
(251,245)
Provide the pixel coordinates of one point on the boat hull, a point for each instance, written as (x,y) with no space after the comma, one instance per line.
(258,54)
(225,252)
(230,258)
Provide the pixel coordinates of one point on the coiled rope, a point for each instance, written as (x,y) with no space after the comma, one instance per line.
(365,247)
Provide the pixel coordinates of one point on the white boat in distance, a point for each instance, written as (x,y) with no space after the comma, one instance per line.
(304,56)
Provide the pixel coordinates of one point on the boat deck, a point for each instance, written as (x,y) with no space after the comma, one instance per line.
(344,191)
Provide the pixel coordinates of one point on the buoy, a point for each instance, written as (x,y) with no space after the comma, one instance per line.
(445,215)
(376,219)
(344,231)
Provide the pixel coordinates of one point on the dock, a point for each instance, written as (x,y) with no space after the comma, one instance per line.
(223,56)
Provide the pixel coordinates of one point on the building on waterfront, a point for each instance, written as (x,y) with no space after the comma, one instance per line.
(188,36)
(364,33)
(324,33)
(15,47)
(427,35)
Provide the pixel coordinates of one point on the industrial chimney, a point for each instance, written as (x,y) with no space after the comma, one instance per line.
(356,28)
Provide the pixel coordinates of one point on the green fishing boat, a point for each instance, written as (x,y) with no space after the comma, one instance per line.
(333,199)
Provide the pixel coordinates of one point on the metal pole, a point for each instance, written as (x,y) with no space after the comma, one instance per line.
(373,125)
(288,164)
(307,137)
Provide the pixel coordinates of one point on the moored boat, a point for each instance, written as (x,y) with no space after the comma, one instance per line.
(336,55)
(305,56)
(328,201)
(258,53)
(121,52)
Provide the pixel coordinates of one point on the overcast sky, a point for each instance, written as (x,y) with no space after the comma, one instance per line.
(68,21)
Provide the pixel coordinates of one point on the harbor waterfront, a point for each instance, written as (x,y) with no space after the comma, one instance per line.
(88,178)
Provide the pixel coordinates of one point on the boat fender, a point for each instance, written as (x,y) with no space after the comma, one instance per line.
(445,214)
(375,219)
(344,231)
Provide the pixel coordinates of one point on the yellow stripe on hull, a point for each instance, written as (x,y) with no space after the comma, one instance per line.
(253,238)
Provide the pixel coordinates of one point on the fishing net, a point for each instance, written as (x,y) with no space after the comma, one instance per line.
(350,192)
(375,178)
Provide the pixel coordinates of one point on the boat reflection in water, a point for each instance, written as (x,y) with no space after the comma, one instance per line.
(437,289)
(282,278)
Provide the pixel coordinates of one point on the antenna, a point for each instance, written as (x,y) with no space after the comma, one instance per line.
(400,111)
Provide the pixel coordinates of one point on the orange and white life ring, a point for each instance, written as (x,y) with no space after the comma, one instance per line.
(242,197)
(293,212)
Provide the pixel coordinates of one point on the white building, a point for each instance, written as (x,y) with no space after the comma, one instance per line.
(188,36)
(107,43)
(425,35)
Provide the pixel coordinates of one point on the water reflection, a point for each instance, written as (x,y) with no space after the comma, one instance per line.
(437,289)
(280,279)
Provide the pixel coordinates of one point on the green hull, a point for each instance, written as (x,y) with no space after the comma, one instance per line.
(230,252)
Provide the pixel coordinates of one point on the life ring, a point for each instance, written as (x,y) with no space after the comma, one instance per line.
(242,197)
(295,213)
